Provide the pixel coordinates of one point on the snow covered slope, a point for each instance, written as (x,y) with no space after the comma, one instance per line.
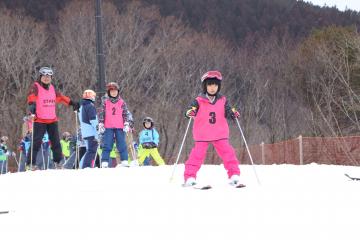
(292,202)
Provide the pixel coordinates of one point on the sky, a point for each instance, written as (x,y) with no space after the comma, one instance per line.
(340,4)
(293,202)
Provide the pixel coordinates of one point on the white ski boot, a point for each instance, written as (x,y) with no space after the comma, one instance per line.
(104,165)
(234,180)
(190,182)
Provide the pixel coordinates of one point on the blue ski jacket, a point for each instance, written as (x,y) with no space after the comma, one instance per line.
(88,119)
(148,136)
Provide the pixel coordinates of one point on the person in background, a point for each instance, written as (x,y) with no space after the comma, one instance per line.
(115,121)
(89,125)
(65,145)
(4,154)
(42,100)
(149,141)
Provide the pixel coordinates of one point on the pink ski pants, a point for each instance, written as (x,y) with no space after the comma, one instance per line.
(223,149)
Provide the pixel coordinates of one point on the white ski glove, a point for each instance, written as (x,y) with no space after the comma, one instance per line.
(101,128)
(126,127)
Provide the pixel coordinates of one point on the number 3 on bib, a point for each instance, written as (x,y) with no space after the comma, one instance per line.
(212,119)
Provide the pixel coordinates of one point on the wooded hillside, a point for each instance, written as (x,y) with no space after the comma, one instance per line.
(286,79)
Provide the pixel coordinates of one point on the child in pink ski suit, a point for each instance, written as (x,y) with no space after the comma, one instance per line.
(210,111)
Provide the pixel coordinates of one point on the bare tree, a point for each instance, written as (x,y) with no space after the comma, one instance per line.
(22,41)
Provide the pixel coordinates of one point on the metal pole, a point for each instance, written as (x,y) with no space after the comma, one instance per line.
(301,156)
(248,150)
(181,146)
(99,47)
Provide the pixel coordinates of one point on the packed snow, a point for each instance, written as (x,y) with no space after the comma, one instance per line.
(292,202)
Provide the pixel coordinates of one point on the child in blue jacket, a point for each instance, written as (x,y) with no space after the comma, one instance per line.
(149,141)
(88,125)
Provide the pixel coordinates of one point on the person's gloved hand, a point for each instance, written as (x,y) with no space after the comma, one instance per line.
(101,128)
(126,128)
(75,105)
(146,145)
(191,113)
(152,145)
(235,114)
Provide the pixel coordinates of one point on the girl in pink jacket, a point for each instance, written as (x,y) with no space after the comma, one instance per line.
(210,111)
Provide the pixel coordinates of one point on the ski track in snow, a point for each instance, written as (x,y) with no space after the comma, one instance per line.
(293,202)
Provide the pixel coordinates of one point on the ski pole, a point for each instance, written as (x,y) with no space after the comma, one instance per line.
(32,142)
(77,142)
(132,149)
(2,167)
(68,159)
(96,154)
(247,148)
(182,144)
(43,158)
(19,165)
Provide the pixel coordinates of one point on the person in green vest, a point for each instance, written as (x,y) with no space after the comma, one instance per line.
(4,154)
(65,145)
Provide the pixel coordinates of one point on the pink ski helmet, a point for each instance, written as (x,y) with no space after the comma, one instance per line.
(211,77)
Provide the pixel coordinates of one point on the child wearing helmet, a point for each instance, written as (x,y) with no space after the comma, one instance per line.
(65,145)
(42,101)
(210,111)
(89,124)
(4,154)
(115,121)
(149,141)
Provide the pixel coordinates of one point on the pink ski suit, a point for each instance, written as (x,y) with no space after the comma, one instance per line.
(210,126)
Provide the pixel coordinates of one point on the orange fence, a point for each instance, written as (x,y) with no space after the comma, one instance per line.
(305,150)
(301,150)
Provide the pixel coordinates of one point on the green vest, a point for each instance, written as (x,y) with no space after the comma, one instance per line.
(112,153)
(3,156)
(65,147)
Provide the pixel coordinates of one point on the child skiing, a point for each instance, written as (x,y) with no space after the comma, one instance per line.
(24,147)
(210,111)
(65,145)
(149,140)
(115,121)
(42,105)
(88,125)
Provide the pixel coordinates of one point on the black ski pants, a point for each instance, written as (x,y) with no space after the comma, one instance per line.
(53,131)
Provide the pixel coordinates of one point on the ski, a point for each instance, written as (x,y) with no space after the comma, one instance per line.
(204,187)
(352,178)
(239,185)
(198,187)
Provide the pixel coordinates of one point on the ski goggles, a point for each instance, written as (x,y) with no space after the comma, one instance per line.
(46,71)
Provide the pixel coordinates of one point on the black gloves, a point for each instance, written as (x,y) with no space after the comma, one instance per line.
(75,105)
(149,145)
(32,108)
